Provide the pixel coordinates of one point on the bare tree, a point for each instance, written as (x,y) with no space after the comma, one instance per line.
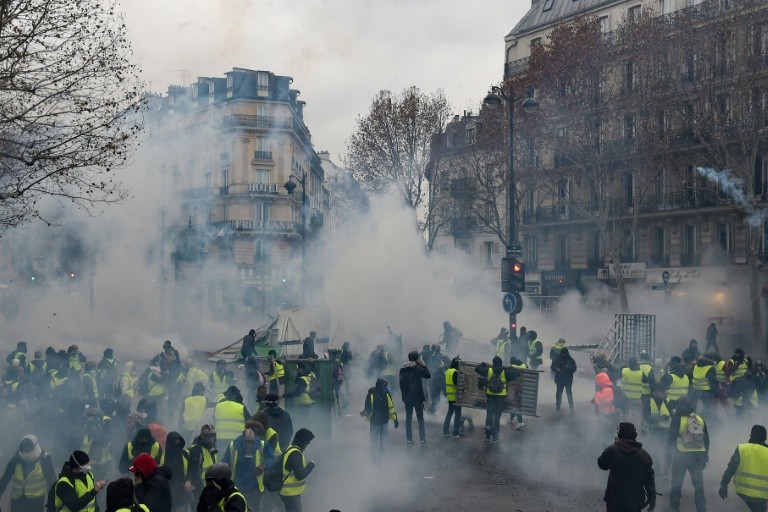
(390,145)
(69,100)
(717,91)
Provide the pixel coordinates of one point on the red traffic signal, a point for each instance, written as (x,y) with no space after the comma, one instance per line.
(512,275)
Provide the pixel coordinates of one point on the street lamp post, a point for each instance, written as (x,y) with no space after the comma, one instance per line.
(495,97)
(290,186)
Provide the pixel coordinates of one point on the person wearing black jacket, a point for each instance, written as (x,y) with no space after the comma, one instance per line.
(412,391)
(563,367)
(120,496)
(177,460)
(78,467)
(631,485)
(495,401)
(153,488)
(249,345)
(220,493)
(296,470)
(279,419)
(379,409)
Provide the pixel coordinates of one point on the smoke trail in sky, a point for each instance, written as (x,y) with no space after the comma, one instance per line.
(733,187)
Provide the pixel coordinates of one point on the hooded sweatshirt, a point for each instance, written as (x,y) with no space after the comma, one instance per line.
(631,477)
(175,455)
(377,403)
(155,490)
(280,420)
(603,398)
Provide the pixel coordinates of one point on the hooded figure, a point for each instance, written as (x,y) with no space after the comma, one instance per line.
(279,419)
(220,493)
(296,469)
(563,368)
(746,459)
(153,488)
(28,488)
(603,399)
(631,484)
(177,460)
(142,442)
(120,495)
(202,455)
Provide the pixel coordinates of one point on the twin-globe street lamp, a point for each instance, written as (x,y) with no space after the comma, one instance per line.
(496,97)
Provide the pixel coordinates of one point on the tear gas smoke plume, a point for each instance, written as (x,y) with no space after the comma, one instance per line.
(733,187)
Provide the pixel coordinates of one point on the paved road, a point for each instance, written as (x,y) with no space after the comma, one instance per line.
(548,466)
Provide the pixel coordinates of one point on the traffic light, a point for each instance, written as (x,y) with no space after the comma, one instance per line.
(512,275)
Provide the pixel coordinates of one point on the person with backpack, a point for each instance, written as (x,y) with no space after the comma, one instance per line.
(202,455)
(295,470)
(412,392)
(378,410)
(749,469)
(688,451)
(76,489)
(142,442)
(106,373)
(631,484)
(120,497)
(563,367)
(495,378)
(30,473)
(248,457)
(220,493)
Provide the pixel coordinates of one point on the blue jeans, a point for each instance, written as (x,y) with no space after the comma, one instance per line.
(455,411)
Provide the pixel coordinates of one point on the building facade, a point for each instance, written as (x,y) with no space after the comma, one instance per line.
(239,171)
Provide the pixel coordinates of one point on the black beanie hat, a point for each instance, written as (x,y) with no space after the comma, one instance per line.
(303,436)
(78,459)
(627,430)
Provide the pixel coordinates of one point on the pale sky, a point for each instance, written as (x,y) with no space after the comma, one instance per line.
(340,53)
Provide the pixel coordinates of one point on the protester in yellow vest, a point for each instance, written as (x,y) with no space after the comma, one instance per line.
(202,455)
(688,449)
(704,386)
(142,442)
(296,470)
(220,379)
(451,392)
(379,409)
(749,469)
(30,473)
(76,489)
(276,374)
(189,376)
(248,457)
(229,416)
(192,410)
(220,493)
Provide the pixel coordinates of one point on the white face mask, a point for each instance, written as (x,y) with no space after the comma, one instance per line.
(85,469)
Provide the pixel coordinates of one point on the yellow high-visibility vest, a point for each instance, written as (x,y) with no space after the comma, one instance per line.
(229,418)
(662,412)
(679,442)
(194,408)
(30,486)
(719,373)
(503,376)
(450,387)
(632,383)
(259,455)
(700,380)
(646,368)
(751,478)
(292,486)
(678,388)
(81,489)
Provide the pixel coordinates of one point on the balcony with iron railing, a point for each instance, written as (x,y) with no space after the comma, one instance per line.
(257,121)
(262,155)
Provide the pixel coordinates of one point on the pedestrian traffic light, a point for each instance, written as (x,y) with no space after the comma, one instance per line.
(512,275)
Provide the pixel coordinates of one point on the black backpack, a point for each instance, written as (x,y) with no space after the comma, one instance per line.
(495,384)
(314,390)
(273,473)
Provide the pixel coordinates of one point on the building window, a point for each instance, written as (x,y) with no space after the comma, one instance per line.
(547,5)
(661,123)
(629,128)
(262,81)
(471,135)
(262,212)
(659,245)
(261,110)
(488,253)
(688,256)
(262,251)
(724,107)
(690,65)
(530,252)
(666,6)
(605,24)
(761,42)
(535,42)
(630,249)
(633,14)
(562,255)
(629,78)
(263,176)
(595,250)
(629,190)
(724,237)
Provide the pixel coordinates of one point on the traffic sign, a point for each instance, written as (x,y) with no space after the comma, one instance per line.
(516,250)
(665,276)
(512,303)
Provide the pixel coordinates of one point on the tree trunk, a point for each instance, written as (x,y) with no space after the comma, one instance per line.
(621,285)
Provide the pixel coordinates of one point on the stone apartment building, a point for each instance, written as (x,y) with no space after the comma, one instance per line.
(237,162)
(680,224)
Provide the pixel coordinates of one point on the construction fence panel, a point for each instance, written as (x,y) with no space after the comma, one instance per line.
(522,393)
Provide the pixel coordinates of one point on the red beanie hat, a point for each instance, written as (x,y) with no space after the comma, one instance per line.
(143,465)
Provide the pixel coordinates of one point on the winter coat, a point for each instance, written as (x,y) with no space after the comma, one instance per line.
(376,405)
(175,455)
(564,367)
(410,382)
(603,398)
(280,420)
(155,491)
(631,479)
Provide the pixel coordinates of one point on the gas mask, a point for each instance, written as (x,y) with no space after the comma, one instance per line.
(213,484)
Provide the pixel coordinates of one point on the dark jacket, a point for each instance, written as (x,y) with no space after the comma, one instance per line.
(249,345)
(630,481)
(564,367)
(45,464)
(142,442)
(155,491)
(210,498)
(67,493)
(376,405)
(411,387)
(293,463)
(280,420)
(175,455)
(196,457)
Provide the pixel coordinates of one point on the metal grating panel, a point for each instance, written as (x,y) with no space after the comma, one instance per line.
(522,393)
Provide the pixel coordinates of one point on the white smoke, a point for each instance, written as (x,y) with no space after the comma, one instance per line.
(733,187)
